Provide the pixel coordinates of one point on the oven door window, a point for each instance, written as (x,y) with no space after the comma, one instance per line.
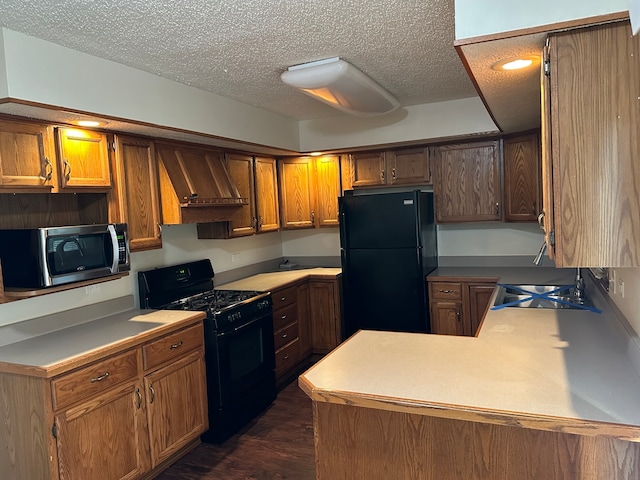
(245,356)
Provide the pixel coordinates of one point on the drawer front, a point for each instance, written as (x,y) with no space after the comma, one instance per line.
(286,335)
(172,346)
(284,316)
(287,357)
(446,290)
(94,379)
(284,297)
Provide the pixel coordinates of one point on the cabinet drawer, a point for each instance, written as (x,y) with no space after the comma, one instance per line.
(284,316)
(446,290)
(287,357)
(93,379)
(287,334)
(284,296)
(172,346)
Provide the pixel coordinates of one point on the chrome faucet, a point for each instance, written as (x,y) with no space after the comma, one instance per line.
(579,292)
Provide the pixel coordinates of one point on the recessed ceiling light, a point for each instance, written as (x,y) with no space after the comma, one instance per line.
(516,63)
(88,123)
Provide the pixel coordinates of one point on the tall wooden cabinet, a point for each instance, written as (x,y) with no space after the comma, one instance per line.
(135,199)
(309,191)
(522,188)
(591,146)
(467,183)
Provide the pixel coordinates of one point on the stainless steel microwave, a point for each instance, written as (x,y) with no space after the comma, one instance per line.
(45,257)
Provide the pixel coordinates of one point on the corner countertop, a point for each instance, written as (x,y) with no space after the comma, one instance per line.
(269,281)
(59,351)
(559,370)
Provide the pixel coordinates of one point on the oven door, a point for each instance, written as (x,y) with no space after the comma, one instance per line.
(239,359)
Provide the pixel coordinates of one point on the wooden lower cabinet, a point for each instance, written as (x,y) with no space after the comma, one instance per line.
(306,320)
(457,305)
(111,419)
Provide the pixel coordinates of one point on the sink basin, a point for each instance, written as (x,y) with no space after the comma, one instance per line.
(539,296)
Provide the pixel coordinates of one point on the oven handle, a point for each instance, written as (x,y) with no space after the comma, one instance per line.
(240,328)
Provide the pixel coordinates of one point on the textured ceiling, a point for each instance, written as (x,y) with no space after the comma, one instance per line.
(238,49)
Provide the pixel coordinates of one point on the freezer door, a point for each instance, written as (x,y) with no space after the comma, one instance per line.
(384,290)
(380,221)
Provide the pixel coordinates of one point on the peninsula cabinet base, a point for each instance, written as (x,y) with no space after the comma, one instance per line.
(353,442)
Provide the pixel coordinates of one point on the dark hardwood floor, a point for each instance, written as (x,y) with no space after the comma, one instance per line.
(276,445)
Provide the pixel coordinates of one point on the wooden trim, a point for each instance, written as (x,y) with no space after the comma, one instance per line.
(548,28)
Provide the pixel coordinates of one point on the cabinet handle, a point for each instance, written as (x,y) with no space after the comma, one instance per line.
(447,291)
(541,221)
(153,393)
(139,402)
(282,299)
(67,170)
(99,378)
(48,169)
(458,315)
(286,357)
(313,216)
(176,345)
(497,209)
(285,335)
(382,175)
(283,316)
(255,222)
(393,173)
(260,221)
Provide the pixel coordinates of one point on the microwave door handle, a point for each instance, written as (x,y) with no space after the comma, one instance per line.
(114,242)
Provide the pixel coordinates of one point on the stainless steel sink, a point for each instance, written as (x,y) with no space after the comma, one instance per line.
(540,296)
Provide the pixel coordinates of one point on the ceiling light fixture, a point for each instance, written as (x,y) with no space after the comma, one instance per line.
(88,123)
(341,85)
(516,63)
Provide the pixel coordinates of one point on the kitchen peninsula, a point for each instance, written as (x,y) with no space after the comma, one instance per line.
(538,394)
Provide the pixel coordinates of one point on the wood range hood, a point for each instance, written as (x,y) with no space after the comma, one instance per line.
(195,186)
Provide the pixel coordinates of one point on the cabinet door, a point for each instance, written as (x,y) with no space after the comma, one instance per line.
(297,193)
(176,405)
(266,177)
(136,192)
(595,79)
(105,437)
(325,314)
(240,168)
(479,296)
(446,318)
(26,153)
(409,166)
(467,185)
(304,321)
(83,159)
(367,169)
(521,178)
(327,190)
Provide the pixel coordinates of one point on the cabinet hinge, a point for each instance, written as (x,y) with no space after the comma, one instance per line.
(54,430)
(552,238)
(547,68)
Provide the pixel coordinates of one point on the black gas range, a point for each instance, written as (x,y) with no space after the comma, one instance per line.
(239,349)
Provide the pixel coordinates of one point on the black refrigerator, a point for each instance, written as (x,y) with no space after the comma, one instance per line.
(388,246)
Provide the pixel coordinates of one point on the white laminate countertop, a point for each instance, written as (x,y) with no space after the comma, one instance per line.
(272,280)
(564,370)
(49,354)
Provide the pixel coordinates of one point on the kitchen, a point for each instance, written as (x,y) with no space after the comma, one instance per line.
(180,243)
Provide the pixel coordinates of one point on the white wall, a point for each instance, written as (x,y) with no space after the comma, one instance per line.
(475,18)
(629,305)
(324,242)
(417,122)
(43,72)
(489,239)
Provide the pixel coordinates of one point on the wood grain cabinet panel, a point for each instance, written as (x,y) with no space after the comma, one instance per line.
(134,199)
(405,166)
(368,169)
(27,157)
(266,194)
(522,177)
(467,183)
(240,168)
(592,122)
(83,157)
(325,313)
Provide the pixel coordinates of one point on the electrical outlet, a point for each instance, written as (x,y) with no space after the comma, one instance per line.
(235,258)
(92,289)
(621,289)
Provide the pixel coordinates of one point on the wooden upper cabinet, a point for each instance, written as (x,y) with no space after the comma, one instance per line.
(522,178)
(594,87)
(83,159)
(297,192)
(266,194)
(240,168)
(27,154)
(327,171)
(467,183)
(406,166)
(135,197)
